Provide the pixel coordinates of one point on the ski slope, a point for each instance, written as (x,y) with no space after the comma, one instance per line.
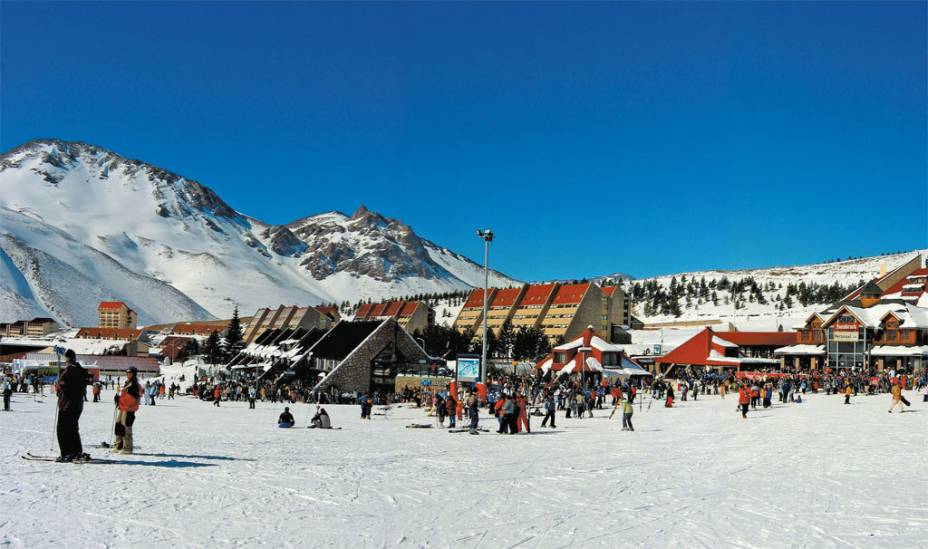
(814,475)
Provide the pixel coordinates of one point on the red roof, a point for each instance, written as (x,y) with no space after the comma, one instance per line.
(393,308)
(747,339)
(110,305)
(364,310)
(696,351)
(108,333)
(897,287)
(506,297)
(409,308)
(329,311)
(537,294)
(475,299)
(571,293)
(377,310)
(609,290)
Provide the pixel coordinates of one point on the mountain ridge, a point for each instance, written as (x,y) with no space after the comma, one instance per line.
(166,227)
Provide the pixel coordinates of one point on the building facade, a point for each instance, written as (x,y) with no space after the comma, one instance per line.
(290,317)
(561,311)
(37,327)
(116,314)
(412,316)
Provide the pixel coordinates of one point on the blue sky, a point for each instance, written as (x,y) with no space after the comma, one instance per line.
(644,138)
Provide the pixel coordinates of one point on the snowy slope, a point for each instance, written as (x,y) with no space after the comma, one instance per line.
(81,216)
(774,283)
(814,475)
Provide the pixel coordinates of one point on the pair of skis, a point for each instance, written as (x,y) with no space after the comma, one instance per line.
(33,457)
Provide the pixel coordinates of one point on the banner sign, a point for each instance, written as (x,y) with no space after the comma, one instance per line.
(468,369)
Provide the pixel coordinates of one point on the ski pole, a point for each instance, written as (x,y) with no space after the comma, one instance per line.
(113,426)
(51,443)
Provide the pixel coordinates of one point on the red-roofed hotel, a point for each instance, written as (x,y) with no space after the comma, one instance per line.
(562,311)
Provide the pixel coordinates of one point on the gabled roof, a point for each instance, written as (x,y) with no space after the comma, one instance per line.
(506,297)
(409,308)
(343,338)
(111,305)
(475,299)
(364,310)
(393,308)
(537,294)
(703,349)
(569,294)
(608,290)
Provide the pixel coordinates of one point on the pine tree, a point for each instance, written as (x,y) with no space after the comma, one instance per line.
(234,335)
(212,349)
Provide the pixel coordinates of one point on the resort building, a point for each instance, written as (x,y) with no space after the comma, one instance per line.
(412,316)
(291,317)
(116,314)
(562,311)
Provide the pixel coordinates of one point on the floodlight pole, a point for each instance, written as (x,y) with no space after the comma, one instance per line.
(487,236)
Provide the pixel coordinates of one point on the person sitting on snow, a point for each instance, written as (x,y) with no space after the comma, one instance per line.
(321,420)
(285,421)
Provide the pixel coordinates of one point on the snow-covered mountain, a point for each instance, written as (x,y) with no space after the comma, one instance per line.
(756,298)
(80,223)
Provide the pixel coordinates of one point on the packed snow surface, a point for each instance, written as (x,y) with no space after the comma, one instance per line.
(817,474)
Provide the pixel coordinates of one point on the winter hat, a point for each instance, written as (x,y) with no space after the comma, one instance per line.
(70,354)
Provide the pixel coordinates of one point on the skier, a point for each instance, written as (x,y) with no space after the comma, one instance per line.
(627,411)
(252,393)
(523,422)
(550,407)
(473,411)
(128,403)
(286,420)
(71,386)
(897,398)
(847,392)
(7,392)
(366,407)
(744,399)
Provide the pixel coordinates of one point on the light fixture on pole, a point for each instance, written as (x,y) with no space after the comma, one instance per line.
(487,236)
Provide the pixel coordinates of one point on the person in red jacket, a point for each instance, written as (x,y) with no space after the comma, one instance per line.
(744,399)
(523,423)
(128,404)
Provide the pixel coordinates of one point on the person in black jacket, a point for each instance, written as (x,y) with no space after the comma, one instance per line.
(286,420)
(71,386)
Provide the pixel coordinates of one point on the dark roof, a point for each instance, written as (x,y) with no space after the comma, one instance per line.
(343,338)
(870,288)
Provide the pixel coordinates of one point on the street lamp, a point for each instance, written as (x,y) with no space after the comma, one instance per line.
(487,236)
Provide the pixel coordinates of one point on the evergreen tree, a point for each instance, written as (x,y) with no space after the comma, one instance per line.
(212,349)
(234,335)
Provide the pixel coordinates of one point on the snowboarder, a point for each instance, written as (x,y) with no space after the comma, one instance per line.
(286,420)
(128,403)
(71,386)
(321,420)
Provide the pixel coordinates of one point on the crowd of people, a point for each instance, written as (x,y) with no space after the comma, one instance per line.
(510,399)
